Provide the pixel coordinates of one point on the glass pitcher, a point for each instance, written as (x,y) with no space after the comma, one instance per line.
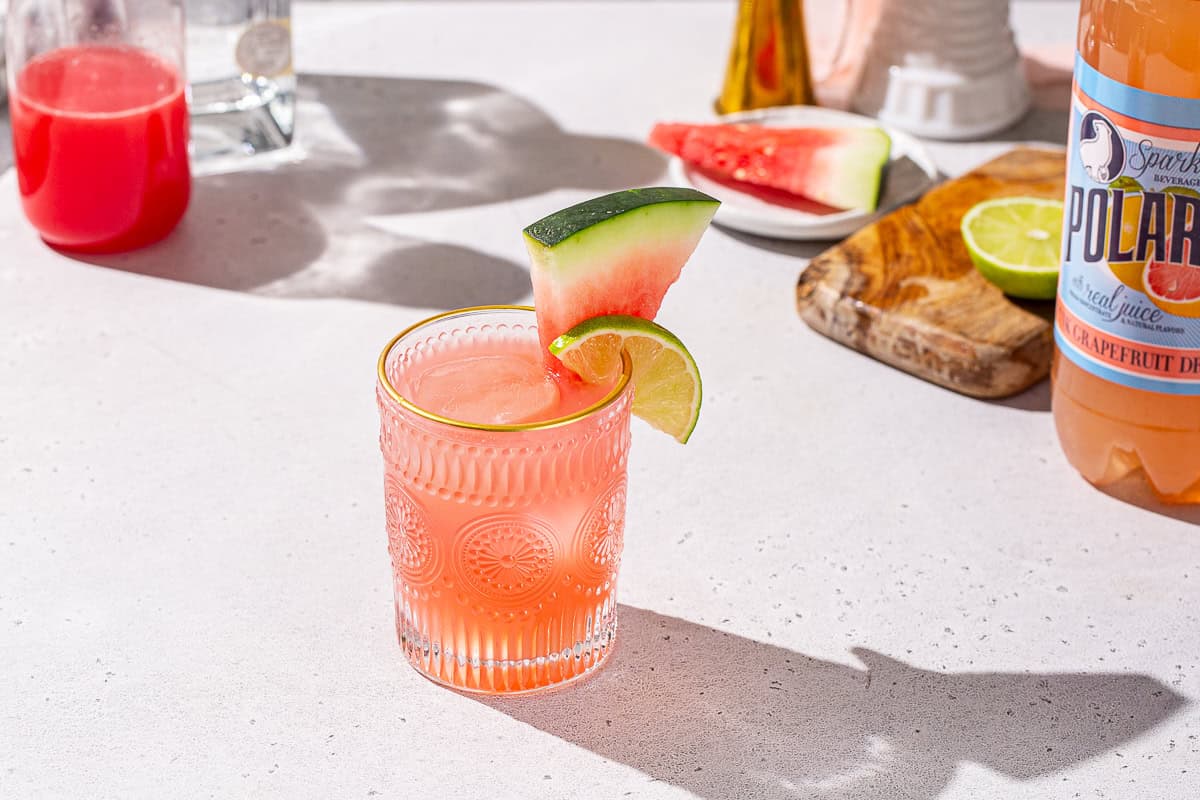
(97,104)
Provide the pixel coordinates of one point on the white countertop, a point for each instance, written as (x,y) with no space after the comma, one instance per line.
(850,585)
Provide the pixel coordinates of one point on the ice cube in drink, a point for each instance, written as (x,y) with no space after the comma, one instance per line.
(497,381)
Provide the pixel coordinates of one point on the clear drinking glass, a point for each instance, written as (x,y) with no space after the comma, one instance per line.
(99,119)
(505,539)
(243,85)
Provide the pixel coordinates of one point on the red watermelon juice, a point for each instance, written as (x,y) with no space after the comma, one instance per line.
(100,135)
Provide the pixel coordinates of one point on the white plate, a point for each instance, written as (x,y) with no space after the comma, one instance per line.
(910,171)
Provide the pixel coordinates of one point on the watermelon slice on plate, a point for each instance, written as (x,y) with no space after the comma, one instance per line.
(615,254)
(837,166)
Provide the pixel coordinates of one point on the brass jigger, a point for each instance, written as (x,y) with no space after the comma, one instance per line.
(768,63)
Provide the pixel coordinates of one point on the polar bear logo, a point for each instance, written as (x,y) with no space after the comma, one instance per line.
(1100,148)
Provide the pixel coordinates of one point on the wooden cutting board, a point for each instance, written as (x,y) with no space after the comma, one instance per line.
(904,291)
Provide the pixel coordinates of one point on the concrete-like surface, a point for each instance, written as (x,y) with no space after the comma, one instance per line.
(850,585)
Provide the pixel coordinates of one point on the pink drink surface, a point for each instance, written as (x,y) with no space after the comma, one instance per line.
(498,382)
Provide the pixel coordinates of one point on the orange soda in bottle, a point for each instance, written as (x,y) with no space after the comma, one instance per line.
(1126,375)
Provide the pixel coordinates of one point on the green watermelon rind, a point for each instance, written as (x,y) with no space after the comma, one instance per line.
(570,244)
(559,227)
(615,254)
(860,171)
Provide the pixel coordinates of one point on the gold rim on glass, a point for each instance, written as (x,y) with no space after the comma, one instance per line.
(604,402)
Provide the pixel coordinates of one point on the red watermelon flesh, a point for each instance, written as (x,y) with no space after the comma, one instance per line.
(633,282)
(840,167)
(616,254)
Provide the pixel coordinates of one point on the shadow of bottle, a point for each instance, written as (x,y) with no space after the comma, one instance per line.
(373,147)
(722,716)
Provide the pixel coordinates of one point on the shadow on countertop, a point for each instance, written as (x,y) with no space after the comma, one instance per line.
(6,151)
(375,147)
(1035,398)
(1134,490)
(1046,126)
(722,716)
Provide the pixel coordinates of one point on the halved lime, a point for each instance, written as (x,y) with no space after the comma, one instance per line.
(666,382)
(1014,242)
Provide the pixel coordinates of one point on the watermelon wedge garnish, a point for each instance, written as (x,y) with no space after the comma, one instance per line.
(615,254)
(840,167)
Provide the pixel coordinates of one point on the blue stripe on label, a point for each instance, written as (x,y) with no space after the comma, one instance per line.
(1067,349)
(1160,109)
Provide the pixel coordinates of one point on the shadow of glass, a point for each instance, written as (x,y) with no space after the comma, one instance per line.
(424,145)
(1133,489)
(723,716)
(1035,398)
(420,275)
(6,152)
(1046,125)
(799,249)
(372,147)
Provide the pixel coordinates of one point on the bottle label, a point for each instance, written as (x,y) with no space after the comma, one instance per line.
(1129,292)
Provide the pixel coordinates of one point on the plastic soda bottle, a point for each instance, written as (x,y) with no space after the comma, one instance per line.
(1126,376)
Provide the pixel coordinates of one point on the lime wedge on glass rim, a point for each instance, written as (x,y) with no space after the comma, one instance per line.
(1015,243)
(666,382)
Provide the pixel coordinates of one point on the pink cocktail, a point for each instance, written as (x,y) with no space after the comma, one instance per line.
(100,135)
(505,503)
(98,104)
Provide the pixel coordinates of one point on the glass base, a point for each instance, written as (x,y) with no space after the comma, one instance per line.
(235,118)
(469,671)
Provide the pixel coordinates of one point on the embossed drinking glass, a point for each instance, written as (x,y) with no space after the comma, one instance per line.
(505,539)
